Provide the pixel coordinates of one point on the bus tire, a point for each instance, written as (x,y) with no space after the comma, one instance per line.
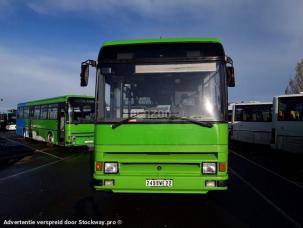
(49,139)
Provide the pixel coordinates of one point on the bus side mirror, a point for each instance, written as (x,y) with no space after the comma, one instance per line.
(84,75)
(230,76)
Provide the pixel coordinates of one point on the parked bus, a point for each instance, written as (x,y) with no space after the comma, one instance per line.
(65,121)
(2,121)
(252,122)
(287,129)
(161,123)
(8,120)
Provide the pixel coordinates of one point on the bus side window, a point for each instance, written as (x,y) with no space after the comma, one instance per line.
(44,110)
(37,111)
(26,112)
(52,112)
(20,112)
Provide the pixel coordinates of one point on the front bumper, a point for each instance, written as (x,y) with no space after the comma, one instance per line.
(80,140)
(136,184)
(10,127)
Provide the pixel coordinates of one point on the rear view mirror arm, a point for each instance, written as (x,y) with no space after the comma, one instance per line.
(84,75)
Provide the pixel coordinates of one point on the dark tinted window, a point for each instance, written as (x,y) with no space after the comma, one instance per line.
(229,115)
(290,109)
(11,118)
(161,50)
(253,113)
(81,110)
(26,112)
(20,112)
(53,111)
(36,112)
(44,112)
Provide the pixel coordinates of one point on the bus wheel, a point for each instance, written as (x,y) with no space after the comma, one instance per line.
(49,139)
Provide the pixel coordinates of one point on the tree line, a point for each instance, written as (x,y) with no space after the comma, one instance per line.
(295,85)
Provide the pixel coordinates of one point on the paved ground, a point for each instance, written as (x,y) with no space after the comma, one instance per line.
(265,190)
(10,149)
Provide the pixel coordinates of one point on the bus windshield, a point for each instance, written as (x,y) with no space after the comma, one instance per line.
(11,118)
(157,92)
(81,111)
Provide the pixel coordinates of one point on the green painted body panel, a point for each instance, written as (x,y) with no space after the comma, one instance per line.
(161,40)
(75,134)
(41,128)
(162,134)
(83,134)
(178,148)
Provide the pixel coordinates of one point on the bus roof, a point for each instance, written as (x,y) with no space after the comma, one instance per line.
(254,103)
(290,95)
(163,49)
(162,40)
(54,100)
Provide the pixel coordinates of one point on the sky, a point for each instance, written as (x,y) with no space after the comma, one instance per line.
(42,42)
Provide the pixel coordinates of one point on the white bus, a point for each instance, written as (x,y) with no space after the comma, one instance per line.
(8,120)
(287,126)
(252,122)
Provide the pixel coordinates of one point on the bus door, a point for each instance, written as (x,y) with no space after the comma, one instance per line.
(29,123)
(2,121)
(61,124)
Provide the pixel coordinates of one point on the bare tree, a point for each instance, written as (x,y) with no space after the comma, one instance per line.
(296,85)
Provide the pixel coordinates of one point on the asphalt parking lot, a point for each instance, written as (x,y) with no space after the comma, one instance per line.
(52,183)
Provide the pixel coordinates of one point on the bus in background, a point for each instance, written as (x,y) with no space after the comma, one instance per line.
(287,129)
(252,122)
(11,120)
(66,121)
(161,123)
(8,120)
(2,121)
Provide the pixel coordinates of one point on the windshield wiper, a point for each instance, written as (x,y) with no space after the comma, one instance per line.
(171,117)
(147,112)
(201,123)
(115,125)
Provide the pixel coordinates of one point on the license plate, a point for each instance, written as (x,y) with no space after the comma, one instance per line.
(159,183)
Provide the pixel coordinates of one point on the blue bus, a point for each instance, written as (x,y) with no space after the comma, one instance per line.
(21,121)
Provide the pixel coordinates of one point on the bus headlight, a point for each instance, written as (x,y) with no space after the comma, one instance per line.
(209,168)
(110,167)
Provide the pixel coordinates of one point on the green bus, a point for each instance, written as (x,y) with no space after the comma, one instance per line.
(161,115)
(66,120)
